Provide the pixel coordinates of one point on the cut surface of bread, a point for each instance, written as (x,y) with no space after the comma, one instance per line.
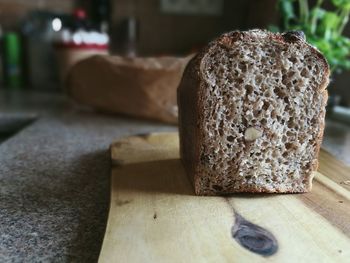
(252,108)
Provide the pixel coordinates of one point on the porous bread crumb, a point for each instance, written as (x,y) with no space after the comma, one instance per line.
(278,88)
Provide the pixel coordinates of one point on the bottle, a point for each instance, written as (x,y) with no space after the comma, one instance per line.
(78,39)
(12,60)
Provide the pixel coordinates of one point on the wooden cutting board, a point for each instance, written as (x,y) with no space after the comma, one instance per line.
(155,217)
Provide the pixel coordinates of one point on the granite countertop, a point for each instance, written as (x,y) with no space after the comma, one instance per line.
(55,174)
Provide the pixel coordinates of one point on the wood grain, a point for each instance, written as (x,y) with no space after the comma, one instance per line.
(155,216)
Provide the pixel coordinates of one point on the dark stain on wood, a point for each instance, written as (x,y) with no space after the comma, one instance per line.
(155,215)
(253,237)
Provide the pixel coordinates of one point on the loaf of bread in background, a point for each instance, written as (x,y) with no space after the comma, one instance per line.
(251,113)
(138,87)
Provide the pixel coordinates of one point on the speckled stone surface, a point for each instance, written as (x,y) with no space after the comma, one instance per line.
(55,174)
(54,186)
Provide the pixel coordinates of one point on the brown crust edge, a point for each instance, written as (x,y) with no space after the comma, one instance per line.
(187,94)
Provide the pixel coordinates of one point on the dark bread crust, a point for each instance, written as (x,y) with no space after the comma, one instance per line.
(187,94)
(191,98)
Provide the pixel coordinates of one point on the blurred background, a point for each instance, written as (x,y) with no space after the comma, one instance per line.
(33,32)
(66,65)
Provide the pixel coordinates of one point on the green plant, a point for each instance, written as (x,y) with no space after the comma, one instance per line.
(323,28)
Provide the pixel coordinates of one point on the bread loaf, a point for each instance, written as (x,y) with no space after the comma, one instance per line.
(139,87)
(251,113)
